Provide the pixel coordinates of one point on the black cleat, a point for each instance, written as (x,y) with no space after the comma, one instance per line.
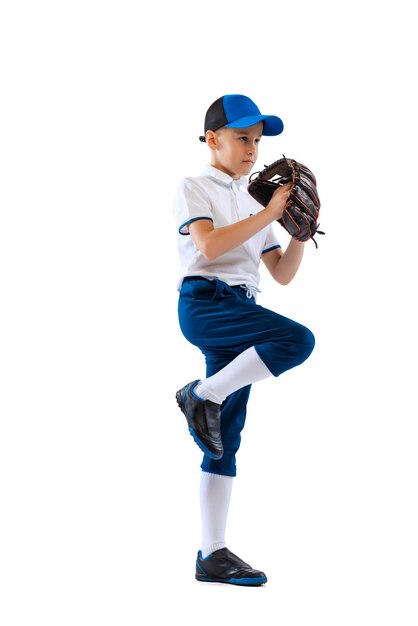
(204,420)
(222,566)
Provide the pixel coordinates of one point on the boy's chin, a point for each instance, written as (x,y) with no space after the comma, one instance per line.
(246,169)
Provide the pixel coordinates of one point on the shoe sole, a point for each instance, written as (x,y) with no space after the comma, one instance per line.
(192,431)
(244,582)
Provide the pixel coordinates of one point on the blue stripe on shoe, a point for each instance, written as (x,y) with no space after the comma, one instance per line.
(194,394)
(248,582)
(197,565)
(183,394)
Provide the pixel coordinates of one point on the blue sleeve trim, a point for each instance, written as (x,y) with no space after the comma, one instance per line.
(271,248)
(193,219)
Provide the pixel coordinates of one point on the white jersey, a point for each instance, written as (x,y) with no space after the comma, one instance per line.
(218,197)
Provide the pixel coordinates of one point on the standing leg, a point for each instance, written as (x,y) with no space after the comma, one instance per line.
(215,562)
(215,495)
(217,475)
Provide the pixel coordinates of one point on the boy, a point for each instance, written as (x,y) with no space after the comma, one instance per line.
(223,234)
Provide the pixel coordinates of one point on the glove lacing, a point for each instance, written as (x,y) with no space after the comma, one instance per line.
(317,232)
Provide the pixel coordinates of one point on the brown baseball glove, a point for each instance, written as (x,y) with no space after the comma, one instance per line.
(301,212)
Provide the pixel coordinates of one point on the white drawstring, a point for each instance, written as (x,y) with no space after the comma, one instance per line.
(251,290)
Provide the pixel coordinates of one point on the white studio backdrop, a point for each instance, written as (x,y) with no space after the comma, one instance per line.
(101,108)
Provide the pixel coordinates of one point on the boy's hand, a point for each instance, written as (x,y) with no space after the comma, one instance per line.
(278,200)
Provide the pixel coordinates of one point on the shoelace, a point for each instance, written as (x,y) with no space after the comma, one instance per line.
(251,291)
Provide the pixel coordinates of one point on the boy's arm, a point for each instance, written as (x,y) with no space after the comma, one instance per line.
(213,242)
(284,265)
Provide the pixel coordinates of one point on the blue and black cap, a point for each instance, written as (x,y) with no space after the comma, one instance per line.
(237,111)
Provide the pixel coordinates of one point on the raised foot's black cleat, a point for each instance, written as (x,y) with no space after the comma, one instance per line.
(222,566)
(204,420)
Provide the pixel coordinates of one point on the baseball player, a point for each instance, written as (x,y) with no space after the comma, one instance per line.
(223,233)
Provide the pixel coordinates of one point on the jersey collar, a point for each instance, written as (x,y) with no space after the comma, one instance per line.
(222,177)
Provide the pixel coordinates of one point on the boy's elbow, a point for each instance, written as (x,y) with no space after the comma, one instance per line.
(210,256)
(284,280)
(208,251)
(283,274)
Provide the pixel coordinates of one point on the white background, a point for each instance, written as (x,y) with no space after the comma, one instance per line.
(101,107)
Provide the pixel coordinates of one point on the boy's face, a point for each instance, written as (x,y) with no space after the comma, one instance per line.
(235,150)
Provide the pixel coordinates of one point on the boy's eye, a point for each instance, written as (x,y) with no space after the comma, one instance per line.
(245,139)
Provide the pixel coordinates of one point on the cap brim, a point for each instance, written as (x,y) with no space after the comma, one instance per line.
(273,125)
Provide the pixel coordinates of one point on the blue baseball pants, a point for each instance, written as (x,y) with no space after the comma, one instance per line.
(223,322)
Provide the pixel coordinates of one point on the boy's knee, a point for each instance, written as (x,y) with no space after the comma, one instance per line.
(305,342)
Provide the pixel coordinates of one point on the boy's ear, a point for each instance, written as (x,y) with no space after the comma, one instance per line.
(211,139)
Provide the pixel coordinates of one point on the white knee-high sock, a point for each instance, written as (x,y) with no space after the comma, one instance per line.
(215,495)
(245,369)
